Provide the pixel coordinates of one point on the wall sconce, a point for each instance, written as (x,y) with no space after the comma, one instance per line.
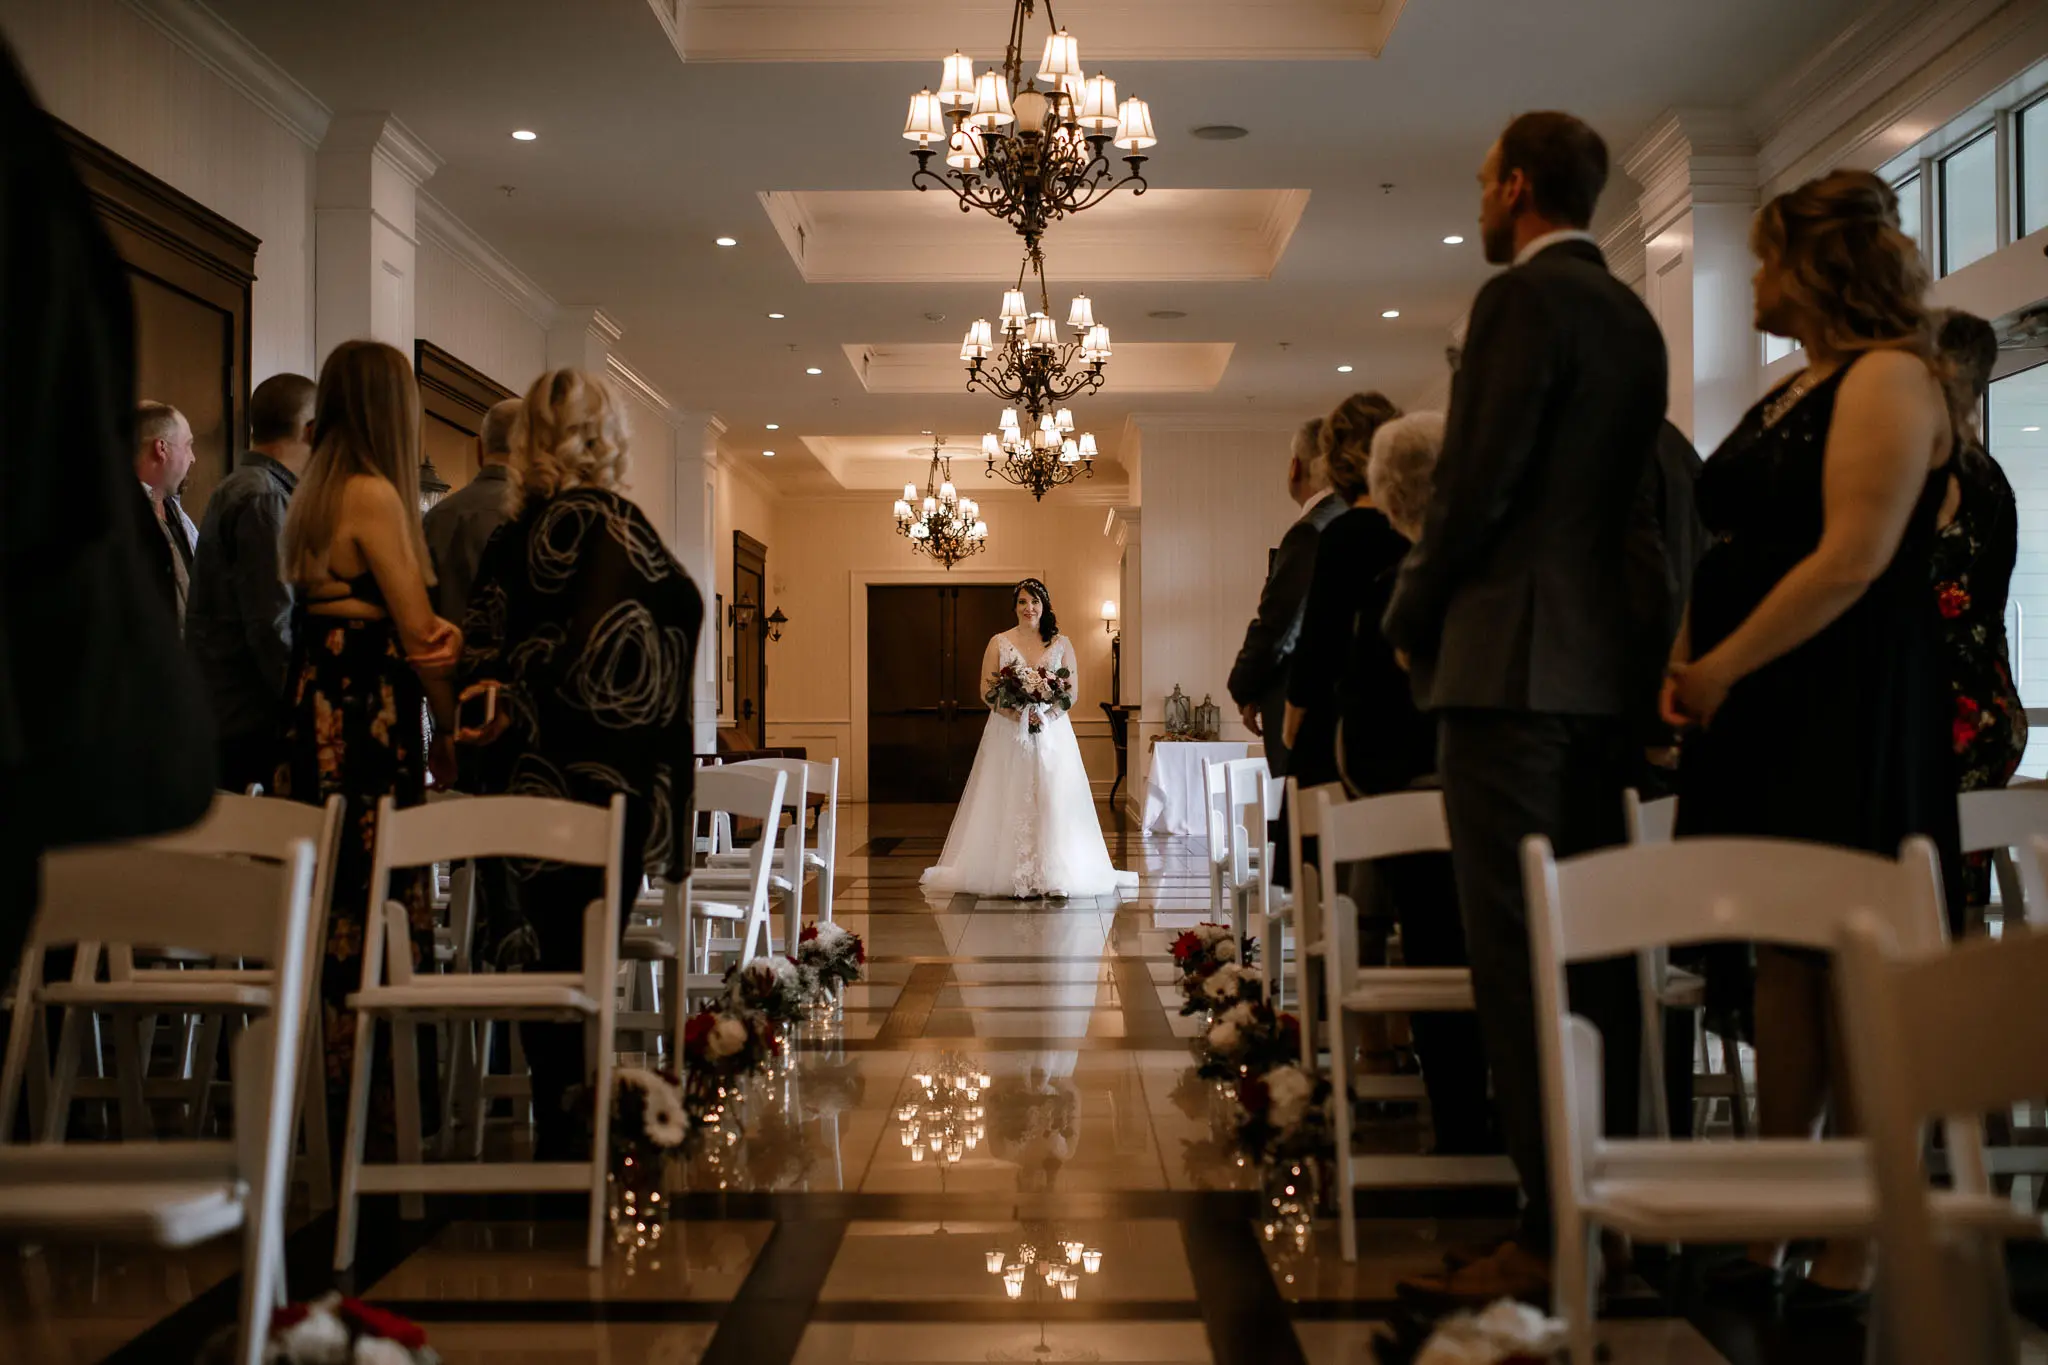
(432,486)
(741,613)
(1109,618)
(776,621)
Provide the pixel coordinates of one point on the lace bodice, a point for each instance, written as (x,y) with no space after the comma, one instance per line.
(1058,654)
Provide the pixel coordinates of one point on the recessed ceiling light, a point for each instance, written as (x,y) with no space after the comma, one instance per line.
(524,135)
(728,241)
(813,369)
(1343,369)
(1220,132)
(1454,240)
(778,316)
(768,454)
(775,426)
(1390,312)
(1166,314)
(2030,428)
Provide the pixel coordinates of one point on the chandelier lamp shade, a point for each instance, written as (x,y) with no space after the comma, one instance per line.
(1038,457)
(941,524)
(1021,359)
(1028,151)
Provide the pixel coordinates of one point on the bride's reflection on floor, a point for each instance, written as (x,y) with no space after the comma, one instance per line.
(785,1133)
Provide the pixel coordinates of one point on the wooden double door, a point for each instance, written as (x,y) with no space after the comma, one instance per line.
(925,712)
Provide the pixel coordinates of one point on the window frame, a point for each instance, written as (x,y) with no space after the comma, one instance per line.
(2000,235)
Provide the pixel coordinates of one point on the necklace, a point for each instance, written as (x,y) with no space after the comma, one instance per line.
(1789,396)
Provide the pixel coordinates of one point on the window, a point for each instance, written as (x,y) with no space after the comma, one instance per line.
(1969,203)
(2032,161)
(1776,348)
(1908,191)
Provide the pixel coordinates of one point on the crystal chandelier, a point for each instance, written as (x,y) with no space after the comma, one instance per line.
(1042,458)
(1032,160)
(944,525)
(1030,366)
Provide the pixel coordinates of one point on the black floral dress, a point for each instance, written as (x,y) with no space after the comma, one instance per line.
(1973,562)
(354,727)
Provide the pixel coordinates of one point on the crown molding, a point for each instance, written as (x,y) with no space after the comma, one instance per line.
(1691,156)
(434,223)
(220,48)
(1187,419)
(751,474)
(380,134)
(1621,244)
(1833,107)
(1123,524)
(631,379)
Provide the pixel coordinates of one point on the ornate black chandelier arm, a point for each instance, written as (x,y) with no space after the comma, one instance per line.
(1036,392)
(1039,473)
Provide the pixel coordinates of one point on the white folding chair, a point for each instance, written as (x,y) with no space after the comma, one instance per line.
(1947,1035)
(1304,908)
(1624,900)
(729,870)
(234,827)
(1665,987)
(1233,854)
(737,900)
(176,1195)
(1355,831)
(2001,823)
(656,938)
(532,827)
(1252,798)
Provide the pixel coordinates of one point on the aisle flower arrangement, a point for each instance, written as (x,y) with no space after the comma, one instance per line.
(334,1331)
(1200,953)
(648,1110)
(1248,1040)
(1287,1115)
(722,1044)
(835,957)
(775,987)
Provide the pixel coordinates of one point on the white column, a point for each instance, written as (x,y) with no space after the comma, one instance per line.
(1122,527)
(366,185)
(696,508)
(1697,169)
(583,337)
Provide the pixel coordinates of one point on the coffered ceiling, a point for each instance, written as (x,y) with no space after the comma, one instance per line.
(1244,279)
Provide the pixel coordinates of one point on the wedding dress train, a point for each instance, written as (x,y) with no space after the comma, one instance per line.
(1026,825)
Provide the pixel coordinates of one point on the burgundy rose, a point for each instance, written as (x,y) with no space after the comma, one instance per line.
(374,1321)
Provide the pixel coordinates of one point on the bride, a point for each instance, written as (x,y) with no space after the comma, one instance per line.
(1026,826)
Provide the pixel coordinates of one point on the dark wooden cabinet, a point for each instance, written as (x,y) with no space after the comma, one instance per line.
(925,712)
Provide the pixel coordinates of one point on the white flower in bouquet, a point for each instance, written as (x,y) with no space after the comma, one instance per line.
(666,1122)
(727,1038)
(378,1351)
(1223,984)
(1506,1330)
(1225,949)
(319,1338)
(1227,1034)
(1289,1089)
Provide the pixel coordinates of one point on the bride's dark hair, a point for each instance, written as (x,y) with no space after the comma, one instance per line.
(1048,624)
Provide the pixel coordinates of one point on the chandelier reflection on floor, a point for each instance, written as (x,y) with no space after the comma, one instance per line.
(1033,159)
(945,1116)
(943,525)
(1044,1258)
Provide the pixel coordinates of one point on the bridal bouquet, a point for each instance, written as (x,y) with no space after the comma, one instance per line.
(1034,691)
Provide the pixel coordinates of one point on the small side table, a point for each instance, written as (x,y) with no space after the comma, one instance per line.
(1120,740)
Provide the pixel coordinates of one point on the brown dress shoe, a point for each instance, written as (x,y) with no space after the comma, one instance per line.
(1509,1273)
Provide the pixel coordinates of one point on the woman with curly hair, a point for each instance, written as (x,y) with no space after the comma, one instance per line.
(586,627)
(1809,670)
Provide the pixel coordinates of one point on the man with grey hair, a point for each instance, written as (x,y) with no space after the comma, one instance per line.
(460,525)
(163,459)
(1258,680)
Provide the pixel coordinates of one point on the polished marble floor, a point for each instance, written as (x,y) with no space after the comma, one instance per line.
(856,1220)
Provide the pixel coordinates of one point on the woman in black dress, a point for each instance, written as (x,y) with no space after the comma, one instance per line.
(587,627)
(1810,668)
(367,651)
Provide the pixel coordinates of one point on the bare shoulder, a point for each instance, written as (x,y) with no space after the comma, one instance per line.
(1890,376)
(369,495)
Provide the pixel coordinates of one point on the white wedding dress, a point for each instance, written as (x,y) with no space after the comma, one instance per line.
(1026,825)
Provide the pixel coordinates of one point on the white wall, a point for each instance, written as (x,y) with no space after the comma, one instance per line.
(465,315)
(103,69)
(1215,503)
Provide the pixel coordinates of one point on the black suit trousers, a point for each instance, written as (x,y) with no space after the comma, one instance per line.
(1507,775)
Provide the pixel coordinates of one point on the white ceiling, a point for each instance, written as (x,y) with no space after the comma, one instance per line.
(643,159)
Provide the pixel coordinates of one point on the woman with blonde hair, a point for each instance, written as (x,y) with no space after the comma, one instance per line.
(584,627)
(367,649)
(1809,668)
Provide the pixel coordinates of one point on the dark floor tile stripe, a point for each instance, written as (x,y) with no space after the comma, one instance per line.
(765,1322)
(1002,1310)
(1145,1018)
(429,1311)
(913,1006)
(1246,1318)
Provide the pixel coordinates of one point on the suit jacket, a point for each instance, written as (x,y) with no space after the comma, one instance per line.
(157,551)
(1259,677)
(1665,542)
(458,528)
(238,617)
(1515,597)
(104,731)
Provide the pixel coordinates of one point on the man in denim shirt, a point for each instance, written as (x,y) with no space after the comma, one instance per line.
(238,620)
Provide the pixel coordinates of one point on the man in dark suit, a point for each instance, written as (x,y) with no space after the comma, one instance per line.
(1515,612)
(163,459)
(1258,680)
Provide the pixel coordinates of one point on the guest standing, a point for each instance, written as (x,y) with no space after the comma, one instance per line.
(1258,680)
(1350,553)
(1974,553)
(238,622)
(1513,609)
(163,457)
(367,652)
(603,707)
(461,524)
(1811,667)
(103,726)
